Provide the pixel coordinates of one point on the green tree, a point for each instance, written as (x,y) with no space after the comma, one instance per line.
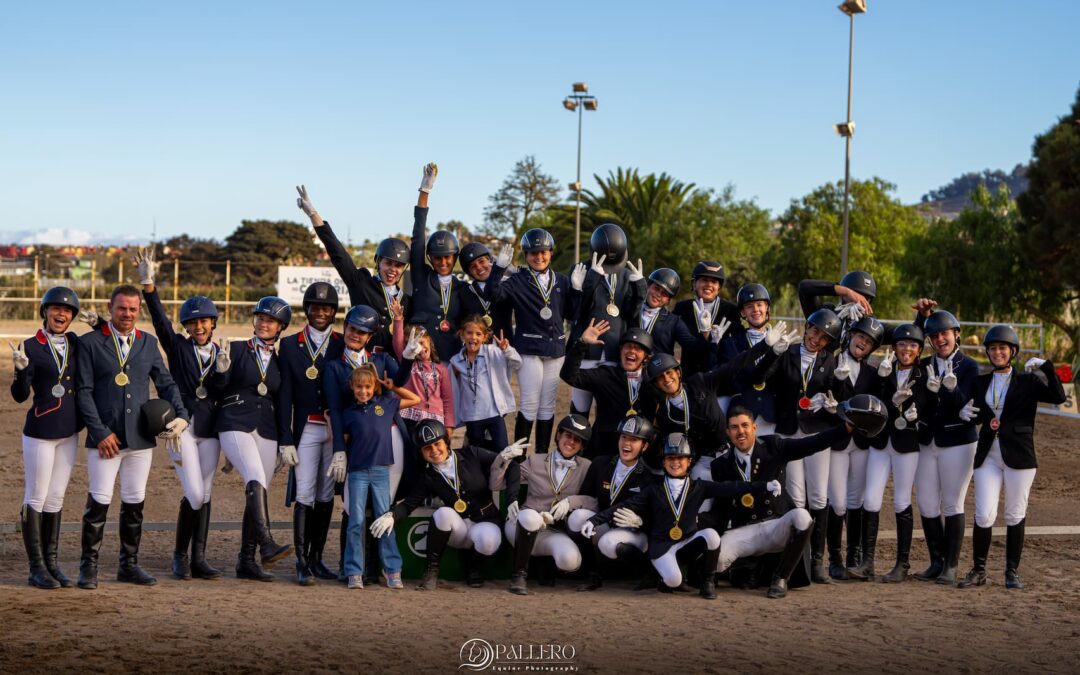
(809,242)
(526,192)
(200,260)
(257,247)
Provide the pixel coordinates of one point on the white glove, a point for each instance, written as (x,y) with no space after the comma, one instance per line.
(227,467)
(933,382)
(547,518)
(383,525)
(830,404)
(912,413)
(18,355)
(969,411)
(716,332)
(780,338)
(172,446)
(561,509)
(948,380)
(338,466)
(843,366)
(412,348)
(304,202)
(288,455)
(773,488)
(431,171)
(624,517)
(850,311)
(598,264)
(174,429)
(1034,363)
(144,264)
(223,359)
(515,449)
(635,271)
(817,402)
(505,257)
(902,395)
(88,316)
(885,368)
(512,510)
(704,318)
(577,277)
(588,530)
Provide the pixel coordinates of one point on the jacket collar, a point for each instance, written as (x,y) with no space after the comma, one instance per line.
(107,332)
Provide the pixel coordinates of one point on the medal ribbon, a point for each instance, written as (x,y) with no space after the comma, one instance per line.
(116,345)
(353,363)
(444,297)
(545,293)
(386,299)
(998,401)
(739,466)
(808,374)
(648,326)
(457,481)
(551,477)
(612,281)
(322,348)
(682,499)
(256,343)
(685,411)
(616,487)
(483,303)
(61,364)
(633,392)
(204,368)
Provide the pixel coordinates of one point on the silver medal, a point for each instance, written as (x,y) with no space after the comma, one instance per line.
(900,423)
(58,390)
(200,392)
(612,309)
(545,313)
(261,389)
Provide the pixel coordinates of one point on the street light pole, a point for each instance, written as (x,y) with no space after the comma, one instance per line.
(579,101)
(847,128)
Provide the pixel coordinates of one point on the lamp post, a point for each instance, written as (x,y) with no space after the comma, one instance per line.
(579,101)
(847,128)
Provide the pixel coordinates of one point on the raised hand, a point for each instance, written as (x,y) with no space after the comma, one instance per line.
(397,311)
(830,404)
(303,202)
(850,311)
(902,394)
(885,368)
(502,342)
(577,276)
(716,333)
(431,172)
(933,380)
(413,347)
(704,316)
(948,380)
(591,335)
(18,355)
(635,271)
(598,264)
(969,411)
(1034,363)
(89,317)
(843,366)
(144,264)
(505,256)
(224,361)
(912,413)
(515,449)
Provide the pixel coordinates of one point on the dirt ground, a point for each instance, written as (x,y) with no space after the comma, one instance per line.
(230,625)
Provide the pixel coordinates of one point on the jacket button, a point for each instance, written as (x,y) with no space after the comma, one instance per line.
(753,517)
(127,395)
(128,411)
(769,512)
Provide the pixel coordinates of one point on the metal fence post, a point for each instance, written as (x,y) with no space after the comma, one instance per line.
(175,287)
(228,289)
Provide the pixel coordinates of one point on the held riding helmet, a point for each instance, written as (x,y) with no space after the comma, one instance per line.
(394,249)
(275,308)
(320,293)
(609,240)
(155,414)
(537,239)
(429,431)
(59,295)
(576,425)
(363,318)
(864,412)
(827,322)
(667,279)
(862,283)
(198,307)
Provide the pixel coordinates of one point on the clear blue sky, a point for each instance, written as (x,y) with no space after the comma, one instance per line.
(201,114)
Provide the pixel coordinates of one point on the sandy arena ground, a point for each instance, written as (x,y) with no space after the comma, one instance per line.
(229,625)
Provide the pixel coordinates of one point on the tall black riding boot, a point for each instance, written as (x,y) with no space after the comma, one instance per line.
(543,434)
(954,542)
(707,568)
(185,528)
(474,567)
(790,558)
(591,562)
(980,550)
(131,520)
(1014,548)
(818,573)
(301,513)
(436,545)
(247,567)
(343,541)
(200,569)
(318,529)
(522,427)
(31,530)
(834,538)
(934,531)
(643,569)
(269,550)
(905,525)
(93,530)
(864,571)
(50,544)
(854,520)
(523,546)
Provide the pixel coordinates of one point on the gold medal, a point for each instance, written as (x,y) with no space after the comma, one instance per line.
(379,412)
(747,500)
(121,379)
(312,373)
(460,506)
(612,309)
(262,389)
(487,320)
(631,412)
(760,386)
(675,533)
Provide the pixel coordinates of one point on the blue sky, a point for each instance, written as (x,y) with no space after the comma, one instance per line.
(201,114)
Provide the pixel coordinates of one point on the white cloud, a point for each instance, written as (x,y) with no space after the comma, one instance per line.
(66,236)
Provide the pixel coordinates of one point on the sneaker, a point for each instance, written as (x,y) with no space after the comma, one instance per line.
(393,580)
(356,581)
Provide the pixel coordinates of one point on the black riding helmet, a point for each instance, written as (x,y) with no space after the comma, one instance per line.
(667,279)
(676,445)
(752,293)
(576,425)
(59,295)
(827,322)
(636,426)
(609,240)
(710,269)
(861,283)
(429,431)
(864,412)
(871,328)
(939,322)
(638,336)
(537,239)
(472,251)
(320,293)
(275,308)
(394,249)
(442,243)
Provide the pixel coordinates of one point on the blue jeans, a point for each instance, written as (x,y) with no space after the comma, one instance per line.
(377,480)
(495,426)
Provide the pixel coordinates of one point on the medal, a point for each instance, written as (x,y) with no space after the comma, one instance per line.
(900,423)
(545,293)
(379,412)
(675,533)
(995,424)
(58,390)
(612,309)
(545,312)
(204,368)
(759,386)
(261,389)
(121,379)
(259,363)
(444,326)
(998,401)
(444,304)
(200,392)
(747,500)
(487,320)
(804,403)
(312,373)
(460,506)
(630,413)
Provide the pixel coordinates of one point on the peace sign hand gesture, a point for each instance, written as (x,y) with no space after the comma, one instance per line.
(303,202)
(224,361)
(502,342)
(18,355)
(412,349)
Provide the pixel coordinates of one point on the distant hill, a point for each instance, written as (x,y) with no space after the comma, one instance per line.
(950,200)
